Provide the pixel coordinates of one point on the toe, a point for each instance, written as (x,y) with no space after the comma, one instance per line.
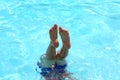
(60,29)
(55,26)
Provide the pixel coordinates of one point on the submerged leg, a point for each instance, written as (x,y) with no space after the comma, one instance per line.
(61,63)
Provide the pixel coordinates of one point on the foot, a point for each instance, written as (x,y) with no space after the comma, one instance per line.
(54,35)
(65,37)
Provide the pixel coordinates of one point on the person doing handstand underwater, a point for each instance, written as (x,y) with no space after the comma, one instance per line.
(53,63)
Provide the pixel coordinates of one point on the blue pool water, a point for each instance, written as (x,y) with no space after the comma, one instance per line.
(94,27)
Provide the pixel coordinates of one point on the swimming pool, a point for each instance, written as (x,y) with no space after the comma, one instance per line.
(94,28)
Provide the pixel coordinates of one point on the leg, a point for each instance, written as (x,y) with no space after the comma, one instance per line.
(51,51)
(61,63)
(66,44)
(62,53)
(49,58)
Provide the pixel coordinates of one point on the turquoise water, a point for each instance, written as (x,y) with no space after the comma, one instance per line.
(94,27)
